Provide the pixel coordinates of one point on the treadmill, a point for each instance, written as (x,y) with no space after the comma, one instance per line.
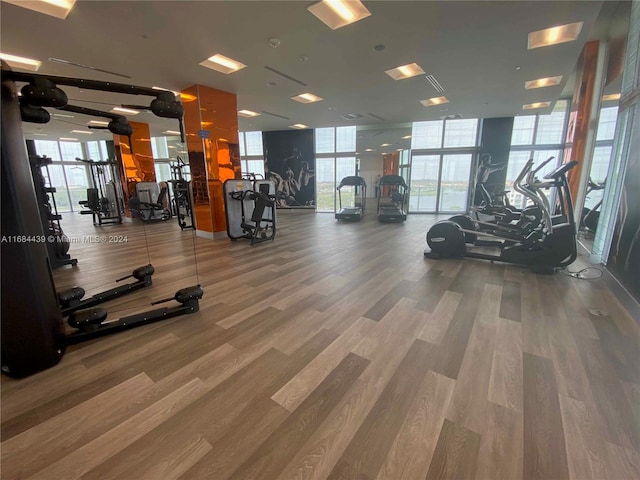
(392,199)
(353,212)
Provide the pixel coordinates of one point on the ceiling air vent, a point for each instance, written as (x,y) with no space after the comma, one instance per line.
(88,67)
(453,116)
(435,83)
(275,115)
(377,117)
(351,116)
(284,75)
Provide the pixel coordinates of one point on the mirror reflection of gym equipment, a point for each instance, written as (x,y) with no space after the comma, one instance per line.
(104,199)
(151,201)
(358,196)
(250,209)
(182,203)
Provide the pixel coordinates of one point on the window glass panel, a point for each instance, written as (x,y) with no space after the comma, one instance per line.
(103,150)
(517,161)
(325,185)
(255,166)
(427,134)
(550,126)
(241,140)
(56,179)
(598,173)
(424,183)
(460,133)
(71,151)
(163,171)
(93,150)
(159,147)
(523,130)
(607,123)
(254,143)
(77,182)
(325,140)
(454,182)
(345,139)
(346,166)
(48,148)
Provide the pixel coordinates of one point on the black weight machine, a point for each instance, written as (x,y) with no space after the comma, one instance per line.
(55,239)
(352,212)
(150,209)
(250,209)
(554,247)
(104,202)
(182,203)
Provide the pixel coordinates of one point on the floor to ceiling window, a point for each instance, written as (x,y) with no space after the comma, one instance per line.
(536,137)
(442,154)
(251,153)
(335,159)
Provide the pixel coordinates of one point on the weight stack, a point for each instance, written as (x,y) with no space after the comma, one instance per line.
(32,328)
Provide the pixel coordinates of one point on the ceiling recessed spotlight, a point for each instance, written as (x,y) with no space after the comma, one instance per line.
(128,111)
(405,71)
(406,137)
(532,106)
(399,149)
(543,82)
(554,35)
(434,101)
(21,62)
(299,126)
(385,145)
(55,8)
(247,113)
(67,139)
(518,67)
(368,149)
(271,84)
(222,64)
(306,98)
(611,97)
(303,58)
(379,48)
(274,42)
(339,13)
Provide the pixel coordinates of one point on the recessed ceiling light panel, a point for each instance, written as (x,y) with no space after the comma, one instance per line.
(21,62)
(247,113)
(67,139)
(543,82)
(98,122)
(532,106)
(406,137)
(339,13)
(554,35)
(306,98)
(434,101)
(55,8)
(611,97)
(222,64)
(127,111)
(405,71)
(84,132)
(299,126)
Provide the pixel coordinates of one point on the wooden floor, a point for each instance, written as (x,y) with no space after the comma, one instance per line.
(335,352)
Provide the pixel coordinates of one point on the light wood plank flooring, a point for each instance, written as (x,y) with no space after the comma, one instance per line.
(335,352)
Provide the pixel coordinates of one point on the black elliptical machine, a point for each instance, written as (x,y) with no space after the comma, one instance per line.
(352,212)
(555,246)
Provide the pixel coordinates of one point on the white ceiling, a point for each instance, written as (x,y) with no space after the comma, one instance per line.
(472,48)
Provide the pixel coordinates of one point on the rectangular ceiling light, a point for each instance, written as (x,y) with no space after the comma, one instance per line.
(39,134)
(611,97)
(21,62)
(532,106)
(55,8)
(306,98)
(405,71)
(62,115)
(339,13)
(247,113)
(67,139)
(434,101)
(406,137)
(543,82)
(172,132)
(128,111)
(98,122)
(554,35)
(298,126)
(222,64)
(84,132)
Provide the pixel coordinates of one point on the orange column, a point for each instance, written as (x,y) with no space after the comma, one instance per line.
(137,166)
(211,126)
(581,113)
